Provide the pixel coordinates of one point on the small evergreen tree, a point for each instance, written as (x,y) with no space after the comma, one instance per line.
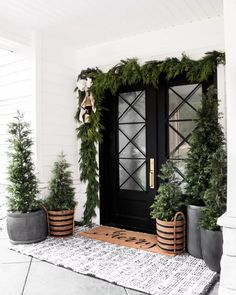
(205,140)
(169,196)
(61,191)
(23,184)
(215,195)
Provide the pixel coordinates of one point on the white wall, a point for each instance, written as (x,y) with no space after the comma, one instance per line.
(12,33)
(16,93)
(56,107)
(194,39)
(40,82)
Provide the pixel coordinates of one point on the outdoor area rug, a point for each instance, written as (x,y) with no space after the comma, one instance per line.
(123,237)
(136,269)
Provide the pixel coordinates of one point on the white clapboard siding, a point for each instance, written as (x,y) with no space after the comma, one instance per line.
(56,109)
(18,77)
(16,93)
(58,105)
(16,67)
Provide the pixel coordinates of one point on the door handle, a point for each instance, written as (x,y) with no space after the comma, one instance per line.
(151,173)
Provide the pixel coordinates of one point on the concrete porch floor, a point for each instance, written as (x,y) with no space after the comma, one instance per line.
(23,275)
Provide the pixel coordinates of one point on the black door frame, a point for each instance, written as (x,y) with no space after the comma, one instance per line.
(161,92)
(151,133)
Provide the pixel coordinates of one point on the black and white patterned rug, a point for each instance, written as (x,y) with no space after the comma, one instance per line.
(131,268)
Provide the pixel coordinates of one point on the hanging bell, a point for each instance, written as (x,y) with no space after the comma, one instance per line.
(87,106)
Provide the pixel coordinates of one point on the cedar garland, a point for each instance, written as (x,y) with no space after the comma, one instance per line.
(127,72)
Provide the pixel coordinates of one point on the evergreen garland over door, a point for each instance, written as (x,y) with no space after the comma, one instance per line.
(127,72)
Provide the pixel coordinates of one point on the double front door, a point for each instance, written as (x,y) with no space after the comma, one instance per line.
(144,127)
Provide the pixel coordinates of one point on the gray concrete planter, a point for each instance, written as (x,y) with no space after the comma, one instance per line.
(26,228)
(193,231)
(212,244)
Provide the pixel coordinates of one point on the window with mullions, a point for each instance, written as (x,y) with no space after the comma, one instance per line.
(184,100)
(132,140)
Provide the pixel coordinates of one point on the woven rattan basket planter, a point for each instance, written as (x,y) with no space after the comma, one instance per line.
(171,235)
(61,223)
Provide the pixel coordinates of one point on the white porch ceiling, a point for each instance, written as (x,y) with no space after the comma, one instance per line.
(87,22)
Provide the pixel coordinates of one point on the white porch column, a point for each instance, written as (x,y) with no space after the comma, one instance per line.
(228,220)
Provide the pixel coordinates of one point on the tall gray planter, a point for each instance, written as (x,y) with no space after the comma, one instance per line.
(26,228)
(212,248)
(193,230)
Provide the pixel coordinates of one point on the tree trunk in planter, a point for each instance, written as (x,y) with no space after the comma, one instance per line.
(171,235)
(193,231)
(61,223)
(212,244)
(26,228)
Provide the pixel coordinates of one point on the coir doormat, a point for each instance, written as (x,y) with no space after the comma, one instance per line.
(124,237)
(144,271)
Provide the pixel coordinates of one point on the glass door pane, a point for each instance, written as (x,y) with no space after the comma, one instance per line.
(132,140)
(184,100)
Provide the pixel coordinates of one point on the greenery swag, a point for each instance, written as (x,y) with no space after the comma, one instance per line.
(127,72)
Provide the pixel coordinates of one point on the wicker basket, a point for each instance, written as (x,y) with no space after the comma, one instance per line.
(61,223)
(171,235)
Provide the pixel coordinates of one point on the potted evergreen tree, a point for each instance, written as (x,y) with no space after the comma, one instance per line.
(60,202)
(26,220)
(166,209)
(215,200)
(205,140)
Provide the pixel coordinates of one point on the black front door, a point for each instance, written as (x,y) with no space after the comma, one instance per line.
(143,127)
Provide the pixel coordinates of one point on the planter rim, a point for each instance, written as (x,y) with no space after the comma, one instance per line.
(195,207)
(61,211)
(170,223)
(211,231)
(18,214)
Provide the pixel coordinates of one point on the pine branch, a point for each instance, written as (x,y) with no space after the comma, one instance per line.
(61,190)
(23,184)
(205,140)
